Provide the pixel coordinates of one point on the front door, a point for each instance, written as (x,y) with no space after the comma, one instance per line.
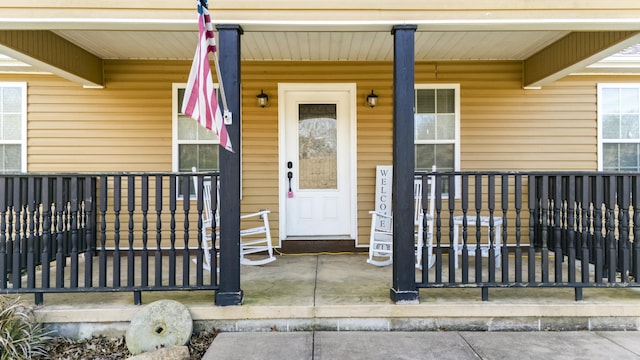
(317,162)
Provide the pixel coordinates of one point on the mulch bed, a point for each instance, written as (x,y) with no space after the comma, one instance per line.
(102,348)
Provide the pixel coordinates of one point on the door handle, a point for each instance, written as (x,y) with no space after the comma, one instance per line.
(290,176)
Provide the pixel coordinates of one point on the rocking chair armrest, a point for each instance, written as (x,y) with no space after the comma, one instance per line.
(375,214)
(259,214)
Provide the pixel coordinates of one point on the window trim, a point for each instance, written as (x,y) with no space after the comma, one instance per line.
(599,102)
(456,140)
(174,125)
(23,122)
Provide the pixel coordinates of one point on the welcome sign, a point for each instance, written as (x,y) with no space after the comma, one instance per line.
(384,178)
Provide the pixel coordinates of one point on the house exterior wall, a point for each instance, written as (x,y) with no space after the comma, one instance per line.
(127,125)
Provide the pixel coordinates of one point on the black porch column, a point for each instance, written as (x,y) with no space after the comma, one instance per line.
(229,57)
(404,288)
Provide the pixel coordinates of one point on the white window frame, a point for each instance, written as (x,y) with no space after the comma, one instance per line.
(23,123)
(456,140)
(600,112)
(175,142)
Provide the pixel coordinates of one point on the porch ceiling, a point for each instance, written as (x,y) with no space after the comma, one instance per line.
(319,45)
(313,43)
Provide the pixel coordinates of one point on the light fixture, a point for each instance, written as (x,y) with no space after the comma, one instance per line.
(263,99)
(372,99)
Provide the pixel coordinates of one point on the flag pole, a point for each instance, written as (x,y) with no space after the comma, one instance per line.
(227,116)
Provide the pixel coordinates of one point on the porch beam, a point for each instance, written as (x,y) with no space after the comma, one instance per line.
(229,59)
(573,53)
(49,52)
(404,289)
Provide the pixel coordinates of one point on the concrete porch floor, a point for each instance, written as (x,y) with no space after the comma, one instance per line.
(342,292)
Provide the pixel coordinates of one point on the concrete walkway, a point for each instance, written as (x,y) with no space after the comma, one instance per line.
(617,345)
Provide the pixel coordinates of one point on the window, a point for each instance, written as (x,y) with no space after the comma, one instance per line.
(13,124)
(193,145)
(437,127)
(619,127)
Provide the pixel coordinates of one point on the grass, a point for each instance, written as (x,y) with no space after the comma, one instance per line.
(21,336)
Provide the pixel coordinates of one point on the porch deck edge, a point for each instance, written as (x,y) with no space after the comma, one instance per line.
(124,313)
(113,321)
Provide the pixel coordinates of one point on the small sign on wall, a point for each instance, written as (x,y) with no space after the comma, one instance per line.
(384,179)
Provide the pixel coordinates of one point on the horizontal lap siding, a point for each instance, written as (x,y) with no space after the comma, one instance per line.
(504,127)
(124,127)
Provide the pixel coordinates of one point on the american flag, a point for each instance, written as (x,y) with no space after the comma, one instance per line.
(200,101)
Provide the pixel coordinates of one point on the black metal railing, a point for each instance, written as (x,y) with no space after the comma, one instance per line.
(76,233)
(494,229)
(135,232)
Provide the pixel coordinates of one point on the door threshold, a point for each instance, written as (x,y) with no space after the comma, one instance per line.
(315,244)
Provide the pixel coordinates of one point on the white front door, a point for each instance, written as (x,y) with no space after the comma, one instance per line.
(317,123)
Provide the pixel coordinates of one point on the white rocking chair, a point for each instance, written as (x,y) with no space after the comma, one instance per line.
(381,235)
(253,240)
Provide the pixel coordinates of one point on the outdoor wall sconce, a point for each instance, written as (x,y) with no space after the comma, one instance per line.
(372,99)
(263,99)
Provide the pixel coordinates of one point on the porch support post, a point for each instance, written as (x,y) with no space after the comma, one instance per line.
(229,292)
(404,289)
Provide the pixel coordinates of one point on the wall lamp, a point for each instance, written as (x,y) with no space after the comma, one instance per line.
(263,99)
(372,99)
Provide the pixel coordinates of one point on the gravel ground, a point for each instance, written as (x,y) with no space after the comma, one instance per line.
(102,348)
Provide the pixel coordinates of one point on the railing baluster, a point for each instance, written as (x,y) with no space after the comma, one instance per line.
(504,255)
(74,231)
(199,207)
(623,193)
(17,208)
(491,193)
(158,254)
(585,206)
(557,227)
(24,235)
(172,228)
(144,206)
(597,192)
(451,204)
(102,259)
(117,207)
(610,238)
(186,206)
(571,228)
(89,193)
(214,229)
(533,216)
(544,251)
(464,204)
(131,207)
(478,207)
(518,189)
(60,256)
(425,228)
(31,240)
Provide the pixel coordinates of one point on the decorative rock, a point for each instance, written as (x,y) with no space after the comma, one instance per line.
(170,353)
(162,323)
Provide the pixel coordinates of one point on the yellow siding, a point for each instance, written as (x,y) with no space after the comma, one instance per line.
(127,125)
